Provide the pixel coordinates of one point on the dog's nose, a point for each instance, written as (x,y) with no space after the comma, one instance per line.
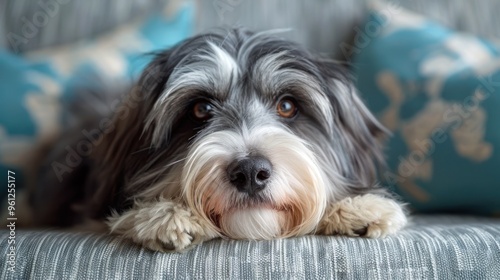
(250,174)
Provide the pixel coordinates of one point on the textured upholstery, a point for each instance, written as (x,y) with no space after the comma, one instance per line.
(439,247)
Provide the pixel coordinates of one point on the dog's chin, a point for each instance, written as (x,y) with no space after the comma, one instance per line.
(255,223)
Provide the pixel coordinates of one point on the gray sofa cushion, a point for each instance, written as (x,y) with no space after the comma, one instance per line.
(432,247)
(33,24)
(324,25)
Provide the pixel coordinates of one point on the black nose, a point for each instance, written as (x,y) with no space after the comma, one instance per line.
(250,174)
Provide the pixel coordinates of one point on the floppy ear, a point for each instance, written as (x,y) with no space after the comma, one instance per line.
(361,133)
(127,150)
(126,141)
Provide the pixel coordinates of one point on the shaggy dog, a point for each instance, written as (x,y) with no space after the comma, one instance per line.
(237,135)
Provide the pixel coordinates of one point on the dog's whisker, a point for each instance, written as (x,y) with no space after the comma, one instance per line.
(174,162)
(142,150)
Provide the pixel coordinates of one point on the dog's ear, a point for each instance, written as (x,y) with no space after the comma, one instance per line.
(126,140)
(360,133)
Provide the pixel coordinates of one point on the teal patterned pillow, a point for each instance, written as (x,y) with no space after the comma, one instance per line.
(33,88)
(438,91)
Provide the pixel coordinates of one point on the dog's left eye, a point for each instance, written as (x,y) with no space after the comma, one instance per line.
(202,110)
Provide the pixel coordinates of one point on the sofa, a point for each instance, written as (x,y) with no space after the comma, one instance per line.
(454,229)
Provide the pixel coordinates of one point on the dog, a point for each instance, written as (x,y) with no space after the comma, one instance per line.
(230,134)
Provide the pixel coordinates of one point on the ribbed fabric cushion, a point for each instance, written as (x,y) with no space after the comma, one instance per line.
(441,247)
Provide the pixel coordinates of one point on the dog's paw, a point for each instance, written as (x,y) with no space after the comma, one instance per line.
(368,215)
(159,226)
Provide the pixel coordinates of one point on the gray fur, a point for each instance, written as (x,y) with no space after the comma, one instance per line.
(243,74)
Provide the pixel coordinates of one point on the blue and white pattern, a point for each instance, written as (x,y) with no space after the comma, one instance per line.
(438,91)
(34,88)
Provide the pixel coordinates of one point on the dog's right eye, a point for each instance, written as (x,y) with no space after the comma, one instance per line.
(286,108)
(202,110)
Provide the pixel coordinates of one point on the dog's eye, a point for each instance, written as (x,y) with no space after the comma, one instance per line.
(286,108)
(202,110)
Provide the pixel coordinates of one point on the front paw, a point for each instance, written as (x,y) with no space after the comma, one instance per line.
(159,226)
(368,215)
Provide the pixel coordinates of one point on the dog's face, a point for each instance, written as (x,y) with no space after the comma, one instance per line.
(253,133)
